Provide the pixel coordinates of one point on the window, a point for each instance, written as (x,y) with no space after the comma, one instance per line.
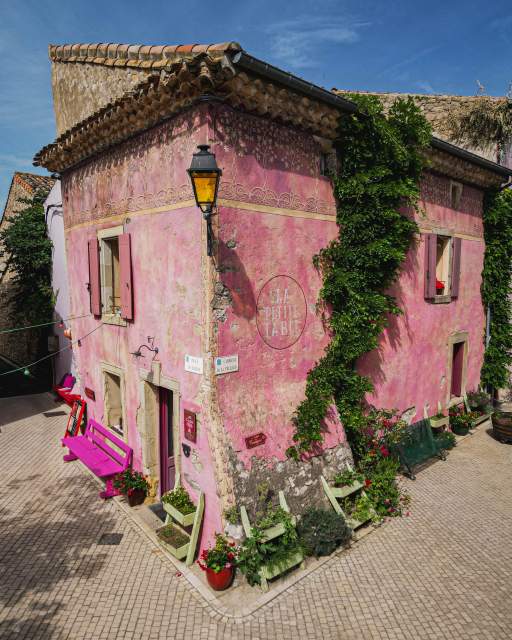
(110,276)
(113,402)
(442,267)
(455,194)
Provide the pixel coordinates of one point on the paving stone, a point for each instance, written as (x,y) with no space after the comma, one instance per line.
(440,573)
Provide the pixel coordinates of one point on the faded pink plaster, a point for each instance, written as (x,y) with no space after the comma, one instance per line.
(169,293)
(410,367)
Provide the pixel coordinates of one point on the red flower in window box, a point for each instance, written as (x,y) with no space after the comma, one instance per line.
(439,285)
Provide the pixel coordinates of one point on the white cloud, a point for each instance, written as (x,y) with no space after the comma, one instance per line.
(295,42)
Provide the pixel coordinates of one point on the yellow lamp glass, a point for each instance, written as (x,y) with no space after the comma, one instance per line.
(205,186)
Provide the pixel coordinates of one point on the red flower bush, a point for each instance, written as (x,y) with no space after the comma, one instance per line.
(221,556)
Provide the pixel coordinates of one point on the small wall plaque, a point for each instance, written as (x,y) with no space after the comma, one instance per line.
(190,422)
(226,364)
(194,364)
(90,393)
(255,440)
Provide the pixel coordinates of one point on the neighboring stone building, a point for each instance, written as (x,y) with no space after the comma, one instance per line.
(437,108)
(19,347)
(62,363)
(138,265)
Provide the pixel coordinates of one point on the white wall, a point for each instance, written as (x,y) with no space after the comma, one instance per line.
(64,362)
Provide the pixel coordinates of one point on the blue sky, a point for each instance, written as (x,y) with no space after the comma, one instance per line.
(440,46)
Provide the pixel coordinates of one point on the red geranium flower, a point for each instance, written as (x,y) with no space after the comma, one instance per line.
(385,451)
(367,482)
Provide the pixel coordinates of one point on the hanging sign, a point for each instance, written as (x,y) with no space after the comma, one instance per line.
(190,421)
(193,364)
(226,364)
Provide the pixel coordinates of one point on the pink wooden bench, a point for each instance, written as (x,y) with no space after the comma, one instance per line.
(95,451)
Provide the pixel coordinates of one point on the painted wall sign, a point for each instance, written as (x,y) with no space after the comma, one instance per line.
(255,440)
(194,364)
(226,364)
(190,425)
(90,393)
(281,312)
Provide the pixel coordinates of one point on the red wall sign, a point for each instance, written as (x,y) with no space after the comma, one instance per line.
(255,440)
(90,393)
(190,420)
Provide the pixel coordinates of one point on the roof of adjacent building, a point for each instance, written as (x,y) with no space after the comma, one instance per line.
(167,79)
(30,183)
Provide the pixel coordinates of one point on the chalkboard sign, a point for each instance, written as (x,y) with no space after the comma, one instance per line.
(75,418)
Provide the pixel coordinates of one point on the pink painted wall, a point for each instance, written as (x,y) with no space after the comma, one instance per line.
(274,330)
(169,294)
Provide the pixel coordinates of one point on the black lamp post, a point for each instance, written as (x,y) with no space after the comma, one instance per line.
(205,177)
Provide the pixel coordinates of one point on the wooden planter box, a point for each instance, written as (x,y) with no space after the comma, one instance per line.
(480,419)
(184,520)
(269,573)
(502,428)
(177,552)
(336,493)
(437,423)
(347,490)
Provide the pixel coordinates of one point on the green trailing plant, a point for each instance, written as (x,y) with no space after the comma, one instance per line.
(257,552)
(322,531)
(496,287)
(180,500)
(28,249)
(232,515)
(347,477)
(380,163)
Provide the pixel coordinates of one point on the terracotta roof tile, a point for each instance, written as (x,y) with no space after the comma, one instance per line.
(137,55)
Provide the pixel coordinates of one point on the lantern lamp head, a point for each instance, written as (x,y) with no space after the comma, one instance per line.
(205,177)
(26,372)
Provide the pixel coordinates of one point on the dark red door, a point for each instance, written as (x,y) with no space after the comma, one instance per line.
(457,364)
(167,465)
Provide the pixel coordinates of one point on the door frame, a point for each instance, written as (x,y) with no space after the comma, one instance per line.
(151,418)
(460,336)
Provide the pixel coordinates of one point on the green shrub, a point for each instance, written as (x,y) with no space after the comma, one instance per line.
(180,500)
(321,532)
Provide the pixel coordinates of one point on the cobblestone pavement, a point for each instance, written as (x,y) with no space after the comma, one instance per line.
(444,572)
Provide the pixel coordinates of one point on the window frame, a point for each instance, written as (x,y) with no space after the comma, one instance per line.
(103,236)
(451,292)
(111,369)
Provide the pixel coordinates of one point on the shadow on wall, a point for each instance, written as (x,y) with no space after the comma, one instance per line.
(373,364)
(234,277)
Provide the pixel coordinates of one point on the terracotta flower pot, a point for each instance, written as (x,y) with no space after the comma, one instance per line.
(221,580)
(136,497)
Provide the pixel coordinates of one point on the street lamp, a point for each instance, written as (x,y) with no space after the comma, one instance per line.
(205,177)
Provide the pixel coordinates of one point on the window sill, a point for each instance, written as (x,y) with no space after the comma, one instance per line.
(110,318)
(441,300)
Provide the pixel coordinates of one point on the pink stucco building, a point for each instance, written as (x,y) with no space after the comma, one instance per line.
(162,313)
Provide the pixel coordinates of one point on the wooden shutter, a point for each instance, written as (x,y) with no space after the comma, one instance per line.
(125,276)
(430,265)
(456,252)
(94,277)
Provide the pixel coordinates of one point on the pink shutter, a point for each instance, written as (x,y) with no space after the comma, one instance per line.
(94,277)
(456,252)
(125,279)
(430,265)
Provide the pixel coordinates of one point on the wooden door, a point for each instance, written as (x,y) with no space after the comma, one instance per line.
(167,462)
(457,368)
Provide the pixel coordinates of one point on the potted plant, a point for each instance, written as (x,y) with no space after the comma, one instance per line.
(219,562)
(460,422)
(177,503)
(233,528)
(479,401)
(133,485)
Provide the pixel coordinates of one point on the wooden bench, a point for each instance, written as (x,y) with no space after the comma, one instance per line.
(102,452)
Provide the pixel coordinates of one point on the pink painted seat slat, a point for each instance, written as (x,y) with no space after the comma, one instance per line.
(95,451)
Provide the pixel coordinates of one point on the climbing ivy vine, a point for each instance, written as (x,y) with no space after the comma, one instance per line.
(496,287)
(380,163)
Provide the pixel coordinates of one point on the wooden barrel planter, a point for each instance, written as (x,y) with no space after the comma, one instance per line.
(502,427)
